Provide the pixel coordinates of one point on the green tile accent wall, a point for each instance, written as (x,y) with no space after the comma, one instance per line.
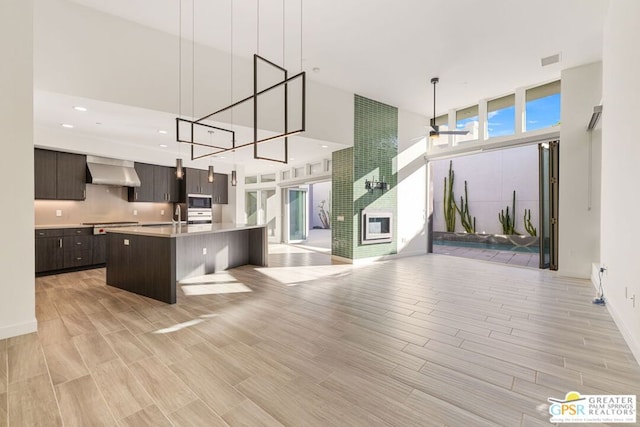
(342,203)
(373,156)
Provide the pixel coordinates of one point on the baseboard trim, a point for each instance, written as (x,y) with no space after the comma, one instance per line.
(18,329)
(630,338)
(364,261)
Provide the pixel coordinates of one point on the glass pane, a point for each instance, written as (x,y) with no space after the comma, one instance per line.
(467,119)
(297,214)
(250,179)
(251,207)
(542,108)
(545,208)
(501,116)
(268,178)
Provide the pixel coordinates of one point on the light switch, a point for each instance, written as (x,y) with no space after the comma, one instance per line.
(204,251)
(126,242)
(58,212)
(161,211)
(135,212)
(340,218)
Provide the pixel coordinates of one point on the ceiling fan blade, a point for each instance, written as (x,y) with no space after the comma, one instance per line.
(453,132)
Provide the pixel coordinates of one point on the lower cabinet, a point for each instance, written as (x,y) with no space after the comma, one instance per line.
(64,248)
(100,249)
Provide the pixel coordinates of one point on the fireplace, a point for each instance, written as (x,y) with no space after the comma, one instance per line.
(377,226)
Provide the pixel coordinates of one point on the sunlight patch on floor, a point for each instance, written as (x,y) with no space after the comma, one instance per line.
(296,275)
(216,288)
(178,326)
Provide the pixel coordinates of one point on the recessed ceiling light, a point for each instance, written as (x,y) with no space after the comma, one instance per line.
(163,132)
(316,69)
(221,157)
(67,125)
(79,108)
(163,145)
(324,146)
(291,158)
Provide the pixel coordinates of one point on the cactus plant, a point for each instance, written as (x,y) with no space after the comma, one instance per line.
(508,223)
(465,217)
(528,225)
(449,201)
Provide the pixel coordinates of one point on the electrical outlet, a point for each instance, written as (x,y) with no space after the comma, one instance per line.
(161,211)
(126,242)
(58,212)
(204,251)
(633,298)
(135,212)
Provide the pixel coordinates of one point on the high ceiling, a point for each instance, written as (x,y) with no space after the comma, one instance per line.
(381,49)
(388,50)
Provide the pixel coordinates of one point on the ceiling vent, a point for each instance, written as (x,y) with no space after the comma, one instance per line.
(549,60)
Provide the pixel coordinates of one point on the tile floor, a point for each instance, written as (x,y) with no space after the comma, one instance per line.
(420,341)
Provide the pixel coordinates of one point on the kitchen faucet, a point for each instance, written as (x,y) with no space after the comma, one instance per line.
(179,213)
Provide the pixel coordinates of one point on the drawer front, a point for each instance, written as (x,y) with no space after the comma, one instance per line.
(76,243)
(49,232)
(77,258)
(87,231)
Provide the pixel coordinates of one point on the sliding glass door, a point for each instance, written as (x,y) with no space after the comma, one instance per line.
(297,215)
(548,171)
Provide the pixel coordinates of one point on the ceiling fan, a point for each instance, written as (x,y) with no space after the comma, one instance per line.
(435,129)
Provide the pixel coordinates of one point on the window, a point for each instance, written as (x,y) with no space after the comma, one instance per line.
(501,116)
(250,179)
(467,119)
(443,124)
(271,177)
(542,108)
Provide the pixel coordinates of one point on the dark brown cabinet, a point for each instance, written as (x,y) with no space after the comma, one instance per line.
(99,249)
(49,250)
(63,248)
(157,184)
(196,181)
(145,192)
(45,166)
(59,176)
(221,189)
(166,187)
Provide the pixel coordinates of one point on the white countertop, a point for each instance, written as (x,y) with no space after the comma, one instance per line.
(181,230)
(141,224)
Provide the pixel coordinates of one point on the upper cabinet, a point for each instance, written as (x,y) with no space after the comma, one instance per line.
(157,184)
(59,176)
(196,181)
(221,189)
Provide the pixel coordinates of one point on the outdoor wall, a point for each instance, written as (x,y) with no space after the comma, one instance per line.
(620,171)
(491,178)
(580,156)
(17,291)
(317,193)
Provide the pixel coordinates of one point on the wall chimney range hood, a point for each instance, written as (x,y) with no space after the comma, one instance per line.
(105,171)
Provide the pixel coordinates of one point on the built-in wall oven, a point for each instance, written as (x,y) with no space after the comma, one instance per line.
(199,209)
(377,227)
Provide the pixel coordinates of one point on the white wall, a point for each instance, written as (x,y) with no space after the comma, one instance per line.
(17,291)
(491,178)
(138,66)
(620,167)
(319,192)
(579,215)
(412,180)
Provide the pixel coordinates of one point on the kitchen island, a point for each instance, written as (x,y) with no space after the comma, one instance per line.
(150,261)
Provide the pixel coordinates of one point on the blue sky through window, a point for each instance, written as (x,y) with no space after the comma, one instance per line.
(502,122)
(543,112)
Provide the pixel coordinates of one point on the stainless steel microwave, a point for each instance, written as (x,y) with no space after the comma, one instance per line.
(199,201)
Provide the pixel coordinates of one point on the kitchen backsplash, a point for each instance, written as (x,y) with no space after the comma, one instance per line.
(105,203)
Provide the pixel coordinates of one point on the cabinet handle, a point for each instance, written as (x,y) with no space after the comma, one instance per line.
(41,233)
(60,242)
(79,258)
(84,194)
(78,243)
(136,197)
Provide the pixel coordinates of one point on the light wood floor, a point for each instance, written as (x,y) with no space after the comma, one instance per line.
(421,341)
